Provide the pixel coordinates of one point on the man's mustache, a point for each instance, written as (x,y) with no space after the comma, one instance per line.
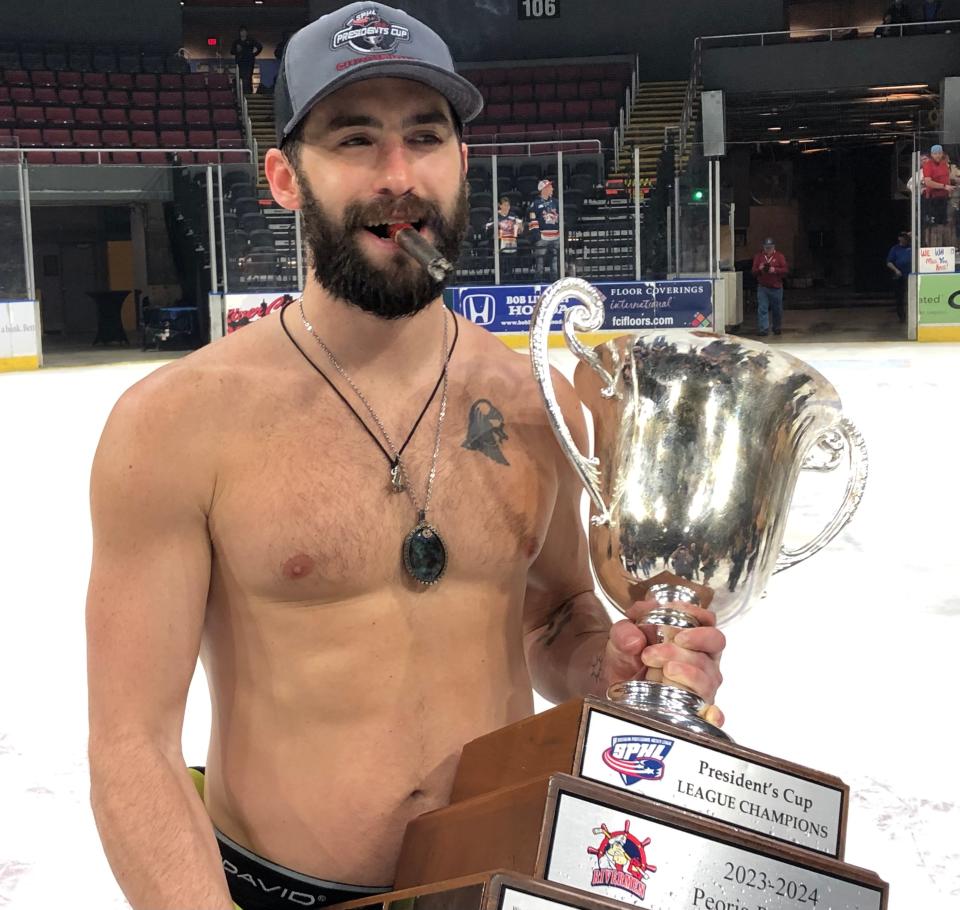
(408,208)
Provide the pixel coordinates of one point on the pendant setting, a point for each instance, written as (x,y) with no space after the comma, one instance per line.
(396,477)
(424,553)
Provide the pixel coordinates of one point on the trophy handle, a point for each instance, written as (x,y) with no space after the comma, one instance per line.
(825,455)
(584,316)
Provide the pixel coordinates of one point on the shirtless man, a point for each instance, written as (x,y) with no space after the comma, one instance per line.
(243,512)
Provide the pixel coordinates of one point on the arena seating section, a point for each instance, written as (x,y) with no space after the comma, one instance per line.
(58,102)
(569,107)
(547,103)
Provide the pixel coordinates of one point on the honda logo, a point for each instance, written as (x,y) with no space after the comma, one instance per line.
(480,308)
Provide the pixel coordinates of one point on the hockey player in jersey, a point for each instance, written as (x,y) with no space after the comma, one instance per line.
(509,227)
(543,222)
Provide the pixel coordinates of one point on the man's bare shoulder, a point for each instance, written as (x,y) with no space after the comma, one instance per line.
(195,395)
(493,362)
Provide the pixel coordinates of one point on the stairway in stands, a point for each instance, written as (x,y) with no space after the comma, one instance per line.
(656,105)
(260,111)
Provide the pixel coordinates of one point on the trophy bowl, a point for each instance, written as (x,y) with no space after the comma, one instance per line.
(698,442)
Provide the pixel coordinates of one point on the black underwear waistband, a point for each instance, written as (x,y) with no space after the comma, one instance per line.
(256,883)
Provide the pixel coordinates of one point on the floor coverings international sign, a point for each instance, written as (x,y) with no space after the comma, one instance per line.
(629,306)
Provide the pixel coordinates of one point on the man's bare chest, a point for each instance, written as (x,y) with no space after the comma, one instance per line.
(306,512)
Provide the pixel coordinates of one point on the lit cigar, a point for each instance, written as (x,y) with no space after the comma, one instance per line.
(413,242)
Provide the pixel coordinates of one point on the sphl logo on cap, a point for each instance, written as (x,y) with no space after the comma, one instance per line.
(636,757)
(368,32)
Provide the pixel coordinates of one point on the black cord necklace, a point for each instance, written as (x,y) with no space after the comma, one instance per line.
(394,462)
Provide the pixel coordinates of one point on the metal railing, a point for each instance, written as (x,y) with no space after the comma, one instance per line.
(842,33)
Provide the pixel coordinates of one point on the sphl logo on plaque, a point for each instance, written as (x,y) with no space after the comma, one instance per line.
(636,757)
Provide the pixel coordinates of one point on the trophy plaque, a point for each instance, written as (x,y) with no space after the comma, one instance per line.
(608,744)
(699,439)
(607,843)
(499,890)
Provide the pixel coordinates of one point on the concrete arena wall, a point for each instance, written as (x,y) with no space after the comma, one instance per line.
(154,22)
(661,33)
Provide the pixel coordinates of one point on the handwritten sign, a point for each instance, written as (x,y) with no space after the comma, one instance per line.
(937,259)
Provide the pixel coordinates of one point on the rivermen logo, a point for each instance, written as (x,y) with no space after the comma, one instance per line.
(369,33)
(621,861)
(637,758)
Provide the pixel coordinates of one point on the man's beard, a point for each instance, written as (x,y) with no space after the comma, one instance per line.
(398,288)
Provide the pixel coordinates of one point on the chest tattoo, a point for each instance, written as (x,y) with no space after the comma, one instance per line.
(486,430)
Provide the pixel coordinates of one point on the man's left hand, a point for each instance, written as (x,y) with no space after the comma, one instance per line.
(691,660)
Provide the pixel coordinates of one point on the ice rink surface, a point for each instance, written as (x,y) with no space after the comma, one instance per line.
(849,664)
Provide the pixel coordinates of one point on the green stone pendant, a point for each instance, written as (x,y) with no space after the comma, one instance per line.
(424,555)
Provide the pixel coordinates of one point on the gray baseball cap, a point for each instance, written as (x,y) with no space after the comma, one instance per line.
(364,41)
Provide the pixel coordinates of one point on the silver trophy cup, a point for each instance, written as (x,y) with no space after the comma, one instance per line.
(699,439)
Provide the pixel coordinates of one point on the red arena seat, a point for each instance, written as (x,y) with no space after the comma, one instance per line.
(170,99)
(57,138)
(69,79)
(46,95)
(218,81)
(29,137)
(222,98)
(143,117)
(113,138)
(143,139)
(198,116)
(16,77)
(87,115)
(87,138)
(42,77)
(144,99)
(170,117)
(120,80)
(229,139)
(29,115)
(116,116)
(173,139)
(224,117)
(200,139)
(59,116)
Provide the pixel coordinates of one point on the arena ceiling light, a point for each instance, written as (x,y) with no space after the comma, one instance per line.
(895,88)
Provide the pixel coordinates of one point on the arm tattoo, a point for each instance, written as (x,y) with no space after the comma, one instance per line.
(558,619)
(486,430)
(596,668)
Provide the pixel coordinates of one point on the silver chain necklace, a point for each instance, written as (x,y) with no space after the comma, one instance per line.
(424,553)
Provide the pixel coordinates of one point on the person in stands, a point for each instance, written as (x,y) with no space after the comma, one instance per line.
(245,50)
(769,267)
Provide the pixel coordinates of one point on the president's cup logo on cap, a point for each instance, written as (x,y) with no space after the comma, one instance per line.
(365,41)
(368,32)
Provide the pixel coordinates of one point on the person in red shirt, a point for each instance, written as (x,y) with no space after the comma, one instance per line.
(936,193)
(769,267)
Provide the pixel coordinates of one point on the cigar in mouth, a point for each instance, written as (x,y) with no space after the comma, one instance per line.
(411,241)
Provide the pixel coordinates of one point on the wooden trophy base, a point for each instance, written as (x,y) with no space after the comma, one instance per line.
(497,890)
(616,746)
(607,843)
